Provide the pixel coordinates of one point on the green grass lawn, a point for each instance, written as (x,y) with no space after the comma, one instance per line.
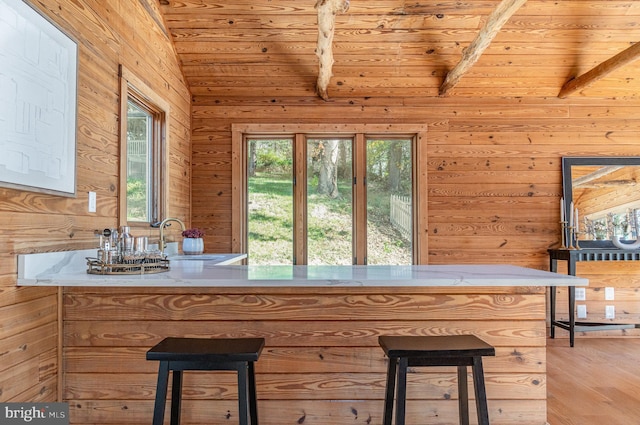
(329,226)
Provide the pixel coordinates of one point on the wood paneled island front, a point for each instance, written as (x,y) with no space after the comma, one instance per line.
(322,364)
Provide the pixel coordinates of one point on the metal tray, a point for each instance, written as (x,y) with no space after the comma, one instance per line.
(144,266)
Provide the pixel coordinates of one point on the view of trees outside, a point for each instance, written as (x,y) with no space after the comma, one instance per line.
(330,223)
(389,173)
(329,205)
(138,190)
(270,197)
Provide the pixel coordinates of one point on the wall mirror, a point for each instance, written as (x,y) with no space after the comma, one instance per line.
(605,192)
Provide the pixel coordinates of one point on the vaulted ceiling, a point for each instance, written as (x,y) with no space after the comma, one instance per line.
(398,48)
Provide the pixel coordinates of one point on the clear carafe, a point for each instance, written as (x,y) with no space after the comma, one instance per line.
(125,241)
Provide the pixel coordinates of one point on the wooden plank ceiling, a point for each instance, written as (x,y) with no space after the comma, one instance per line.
(397,48)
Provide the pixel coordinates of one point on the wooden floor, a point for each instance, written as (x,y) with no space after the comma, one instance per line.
(596,382)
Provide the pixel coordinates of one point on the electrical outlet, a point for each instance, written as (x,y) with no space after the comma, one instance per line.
(610,312)
(581,294)
(609,293)
(582,311)
(92,202)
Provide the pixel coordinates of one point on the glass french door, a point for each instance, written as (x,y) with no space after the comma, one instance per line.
(330,200)
(270,201)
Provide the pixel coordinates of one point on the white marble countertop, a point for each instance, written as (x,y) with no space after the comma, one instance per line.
(69,269)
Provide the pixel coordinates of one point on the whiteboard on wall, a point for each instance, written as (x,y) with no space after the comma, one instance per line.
(38,89)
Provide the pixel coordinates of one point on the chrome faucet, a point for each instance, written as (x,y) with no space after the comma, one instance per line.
(163,224)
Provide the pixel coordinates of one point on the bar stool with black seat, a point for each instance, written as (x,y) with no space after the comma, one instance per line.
(180,354)
(416,351)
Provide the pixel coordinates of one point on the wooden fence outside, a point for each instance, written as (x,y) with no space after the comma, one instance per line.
(400,215)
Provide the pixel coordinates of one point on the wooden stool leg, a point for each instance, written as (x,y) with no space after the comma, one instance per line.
(176,397)
(481,393)
(390,391)
(253,398)
(463,396)
(242,394)
(401,391)
(161,393)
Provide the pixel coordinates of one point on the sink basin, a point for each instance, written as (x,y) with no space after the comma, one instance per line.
(212,259)
(200,257)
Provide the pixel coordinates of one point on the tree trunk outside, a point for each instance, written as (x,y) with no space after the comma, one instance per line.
(395,164)
(344,171)
(252,158)
(328,177)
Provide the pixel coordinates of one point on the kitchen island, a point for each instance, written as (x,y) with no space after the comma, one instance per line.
(322,363)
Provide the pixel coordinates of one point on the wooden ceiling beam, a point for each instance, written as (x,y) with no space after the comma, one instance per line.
(600,71)
(472,53)
(327,11)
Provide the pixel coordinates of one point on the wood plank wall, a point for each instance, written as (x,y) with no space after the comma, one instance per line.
(109,33)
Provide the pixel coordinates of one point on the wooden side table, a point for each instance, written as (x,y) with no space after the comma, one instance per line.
(572,257)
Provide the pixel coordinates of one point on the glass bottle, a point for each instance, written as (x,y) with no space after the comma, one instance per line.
(126,240)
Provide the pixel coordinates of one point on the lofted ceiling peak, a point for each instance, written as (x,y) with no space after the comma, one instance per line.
(394,48)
